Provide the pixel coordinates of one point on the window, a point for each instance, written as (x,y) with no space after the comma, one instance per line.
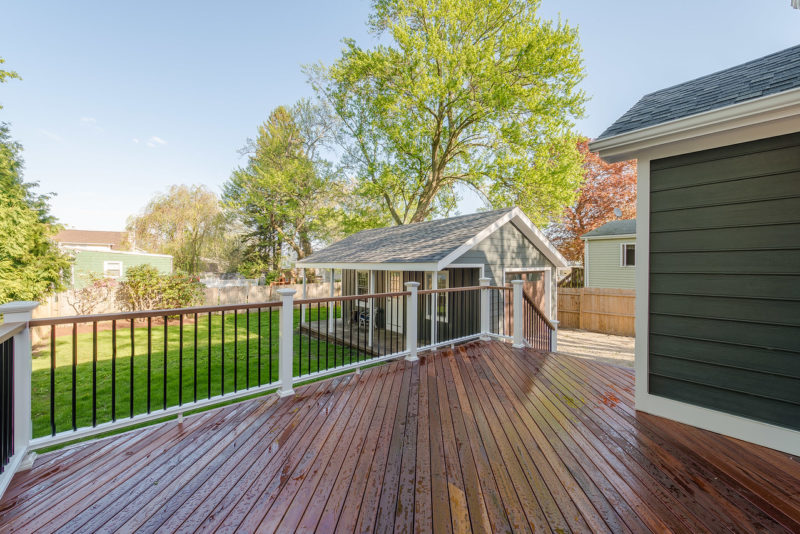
(443,282)
(395,282)
(628,255)
(112,269)
(362,282)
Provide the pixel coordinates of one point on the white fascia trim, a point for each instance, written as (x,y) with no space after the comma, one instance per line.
(525,225)
(621,236)
(764,434)
(428,266)
(123,252)
(627,145)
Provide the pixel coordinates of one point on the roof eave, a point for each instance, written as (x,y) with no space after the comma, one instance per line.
(609,236)
(629,145)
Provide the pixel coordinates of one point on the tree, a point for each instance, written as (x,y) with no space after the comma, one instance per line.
(287,194)
(144,288)
(605,187)
(186,222)
(479,93)
(31,265)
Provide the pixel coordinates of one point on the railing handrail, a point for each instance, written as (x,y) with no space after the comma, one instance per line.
(538,311)
(118,316)
(9,330)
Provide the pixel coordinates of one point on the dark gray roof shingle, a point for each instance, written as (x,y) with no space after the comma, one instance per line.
(624,227)
(409,243)
(768,75)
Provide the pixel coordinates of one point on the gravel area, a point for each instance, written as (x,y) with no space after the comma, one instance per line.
(616,350)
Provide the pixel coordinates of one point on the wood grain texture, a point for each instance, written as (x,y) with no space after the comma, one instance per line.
(480,438)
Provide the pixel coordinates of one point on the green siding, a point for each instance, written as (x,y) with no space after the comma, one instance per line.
(724,314)
(91,261)
(603,264)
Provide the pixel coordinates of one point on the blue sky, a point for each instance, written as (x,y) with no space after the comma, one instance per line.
(120,100)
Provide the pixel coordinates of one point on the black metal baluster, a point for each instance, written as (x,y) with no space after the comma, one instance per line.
(114,370)
(130,387)
(259,346)
(222,357)
(353,311)
(318,329)
(53,379)
(94,373)
(166,338)
(208,366)
(327,333)
(235,348)
(149,360)
(247,351)
(180,360)
(194,369)
(270,344)
(74,376)
(299,344)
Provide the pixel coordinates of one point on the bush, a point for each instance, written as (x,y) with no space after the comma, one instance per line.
(96,291)
(144,288)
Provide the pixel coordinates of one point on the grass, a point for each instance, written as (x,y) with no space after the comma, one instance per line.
(114,397)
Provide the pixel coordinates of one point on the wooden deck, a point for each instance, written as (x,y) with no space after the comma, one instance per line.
(488,438)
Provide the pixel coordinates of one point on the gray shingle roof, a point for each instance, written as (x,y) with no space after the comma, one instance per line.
(624,227)
(409,243)
(768,75)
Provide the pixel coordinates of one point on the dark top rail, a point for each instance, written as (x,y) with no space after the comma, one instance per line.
(49,321)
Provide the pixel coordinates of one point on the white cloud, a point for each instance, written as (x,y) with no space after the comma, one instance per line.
(154,142)
(90,122)
(135,140)
(50,135)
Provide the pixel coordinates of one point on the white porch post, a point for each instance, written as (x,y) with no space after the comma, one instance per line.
(411,321)
(434,306)
(19,312)
(484,282)
(371,308)
(332,315)
(517,314)
(286,342)
(554,337)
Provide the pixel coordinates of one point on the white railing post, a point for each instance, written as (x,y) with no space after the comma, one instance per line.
(411,321)
(554,337)
(519,323)
(20,312)
(485,327)
(286,342)
(332,316)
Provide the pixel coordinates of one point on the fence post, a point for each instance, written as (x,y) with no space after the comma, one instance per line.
(484,282)
(554,337)
(286,342)
(519,323)
(411,321)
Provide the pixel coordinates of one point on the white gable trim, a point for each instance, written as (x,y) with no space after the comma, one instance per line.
(620,236)
(527,228)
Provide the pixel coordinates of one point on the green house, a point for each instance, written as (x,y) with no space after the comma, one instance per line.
(609,256)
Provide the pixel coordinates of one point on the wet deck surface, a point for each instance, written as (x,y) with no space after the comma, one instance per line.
(484,438)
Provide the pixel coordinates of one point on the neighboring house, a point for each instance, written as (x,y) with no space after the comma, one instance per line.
(718,258)
(97,253)
(609,255)
(502,245)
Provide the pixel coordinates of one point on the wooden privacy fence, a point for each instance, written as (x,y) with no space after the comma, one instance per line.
(610,311)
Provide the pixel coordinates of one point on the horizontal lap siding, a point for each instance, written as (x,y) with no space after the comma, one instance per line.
(604,265)
(725,279)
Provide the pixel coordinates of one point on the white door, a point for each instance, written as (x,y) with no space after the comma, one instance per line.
(394,305)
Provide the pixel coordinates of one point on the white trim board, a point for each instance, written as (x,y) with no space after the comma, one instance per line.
(548,282)
(620,236)
(629,145)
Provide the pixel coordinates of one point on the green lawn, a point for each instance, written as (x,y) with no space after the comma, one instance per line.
(202,360)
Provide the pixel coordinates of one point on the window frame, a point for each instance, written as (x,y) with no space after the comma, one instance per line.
(442,301)
(106,264)
(624,256)
(358,285)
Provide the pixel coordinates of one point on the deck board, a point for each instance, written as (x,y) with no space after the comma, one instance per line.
(481,437)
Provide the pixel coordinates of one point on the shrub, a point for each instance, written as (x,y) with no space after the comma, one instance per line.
(96,291)
(144,288)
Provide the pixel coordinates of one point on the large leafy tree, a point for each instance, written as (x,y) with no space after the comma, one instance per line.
(186,222)
(287,194)
(31,265)
(606,187)
(477,93)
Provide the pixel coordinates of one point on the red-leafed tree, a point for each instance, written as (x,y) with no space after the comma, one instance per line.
(605,186)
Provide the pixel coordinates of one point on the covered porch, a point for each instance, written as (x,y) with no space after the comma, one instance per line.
(484,437)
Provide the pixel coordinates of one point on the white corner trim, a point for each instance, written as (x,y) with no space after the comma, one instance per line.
(527,228)
(764,434)
(748,113)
